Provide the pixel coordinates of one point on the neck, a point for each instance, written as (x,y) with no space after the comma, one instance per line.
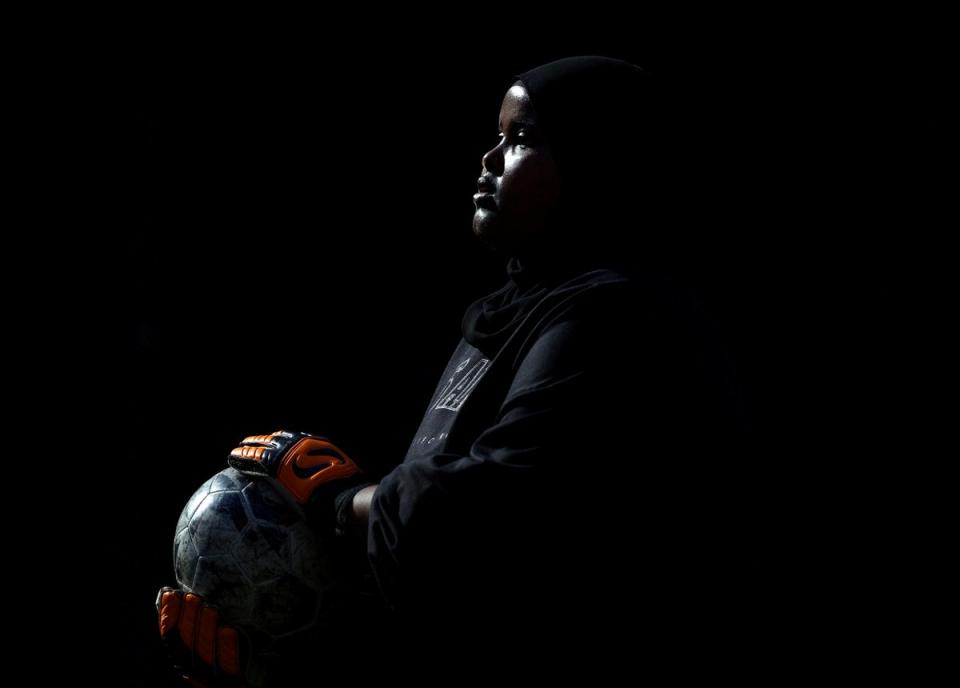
(547,265)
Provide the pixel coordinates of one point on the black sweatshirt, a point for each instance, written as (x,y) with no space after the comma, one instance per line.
(586,464)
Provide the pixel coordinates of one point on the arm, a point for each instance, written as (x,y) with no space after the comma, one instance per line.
(450,522)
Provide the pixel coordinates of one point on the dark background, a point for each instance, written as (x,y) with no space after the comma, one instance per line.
(302,257)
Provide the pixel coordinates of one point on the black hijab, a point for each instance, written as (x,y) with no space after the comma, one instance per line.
(597,113)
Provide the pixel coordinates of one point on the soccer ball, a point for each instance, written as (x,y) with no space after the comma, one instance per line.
(245,547)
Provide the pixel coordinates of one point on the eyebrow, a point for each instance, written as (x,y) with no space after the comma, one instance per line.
(519,123)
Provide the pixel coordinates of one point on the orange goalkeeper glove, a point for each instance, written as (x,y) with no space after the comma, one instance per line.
(312,469)
(204,652)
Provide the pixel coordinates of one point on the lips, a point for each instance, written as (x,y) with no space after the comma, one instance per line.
(485,200)
(485,184)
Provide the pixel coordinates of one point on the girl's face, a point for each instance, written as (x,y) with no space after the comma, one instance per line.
(520,184)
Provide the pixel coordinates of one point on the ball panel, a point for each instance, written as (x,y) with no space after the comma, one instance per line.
(220,582)
(263,553)
(229,479)
(306,561)
(266,504)
(185,558)
(217,522)
(285,605)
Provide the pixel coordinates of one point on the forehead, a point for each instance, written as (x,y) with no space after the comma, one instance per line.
(516,105)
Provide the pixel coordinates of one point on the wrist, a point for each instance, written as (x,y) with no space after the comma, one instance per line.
(352,512)
(361,504)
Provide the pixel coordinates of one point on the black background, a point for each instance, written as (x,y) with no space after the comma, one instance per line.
(302,256)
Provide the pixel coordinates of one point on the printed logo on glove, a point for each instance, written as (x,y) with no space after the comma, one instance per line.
(300,461)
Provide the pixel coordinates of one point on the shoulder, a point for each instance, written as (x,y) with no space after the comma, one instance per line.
(621,313)
(614,303)
(592,295)
(647,299)
(578,319)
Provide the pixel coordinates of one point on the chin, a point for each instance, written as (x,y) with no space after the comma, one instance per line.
(485,225)
(502,237)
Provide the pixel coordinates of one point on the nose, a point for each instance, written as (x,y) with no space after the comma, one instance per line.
(493,160)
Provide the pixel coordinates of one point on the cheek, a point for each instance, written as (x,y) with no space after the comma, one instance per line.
(529,185)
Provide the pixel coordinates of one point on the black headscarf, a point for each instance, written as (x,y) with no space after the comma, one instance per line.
(598,117)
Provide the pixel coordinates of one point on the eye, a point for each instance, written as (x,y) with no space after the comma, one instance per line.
(517,138)
(520,139)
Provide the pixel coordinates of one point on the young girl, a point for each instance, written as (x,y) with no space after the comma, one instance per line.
(574,472)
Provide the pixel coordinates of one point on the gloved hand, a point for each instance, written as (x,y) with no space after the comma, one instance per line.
(206,653)
(311,468)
